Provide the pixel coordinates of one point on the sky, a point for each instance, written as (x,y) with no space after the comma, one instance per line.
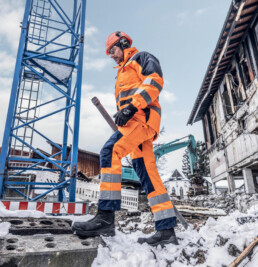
(182,34)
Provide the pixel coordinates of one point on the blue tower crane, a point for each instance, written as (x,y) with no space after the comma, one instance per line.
(45,99)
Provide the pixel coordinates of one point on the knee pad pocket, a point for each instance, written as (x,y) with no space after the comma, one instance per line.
(140,169)
(107,150)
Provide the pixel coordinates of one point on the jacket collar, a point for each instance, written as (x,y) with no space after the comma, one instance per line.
(128,53)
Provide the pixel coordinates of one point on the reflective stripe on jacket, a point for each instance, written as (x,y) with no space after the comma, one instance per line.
(139,81)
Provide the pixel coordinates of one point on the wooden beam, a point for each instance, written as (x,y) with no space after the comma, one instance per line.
(245,253)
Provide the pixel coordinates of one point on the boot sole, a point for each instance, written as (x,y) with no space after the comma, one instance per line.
(104,232)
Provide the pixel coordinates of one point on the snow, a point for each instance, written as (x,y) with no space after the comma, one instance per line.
(253,210)
(20,213)
(4,228)
(123,249)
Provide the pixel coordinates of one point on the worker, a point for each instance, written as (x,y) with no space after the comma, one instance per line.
(139,82)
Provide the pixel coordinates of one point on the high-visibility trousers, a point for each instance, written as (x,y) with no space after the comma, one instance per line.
(135,139)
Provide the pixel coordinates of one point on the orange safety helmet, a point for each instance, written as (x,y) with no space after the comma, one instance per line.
(118,36)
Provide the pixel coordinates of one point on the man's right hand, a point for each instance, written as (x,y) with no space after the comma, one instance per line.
(125,114)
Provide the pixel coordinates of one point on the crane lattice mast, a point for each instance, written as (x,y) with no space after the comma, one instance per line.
(45,100)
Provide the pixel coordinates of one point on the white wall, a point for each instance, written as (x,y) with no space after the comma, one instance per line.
(184,184)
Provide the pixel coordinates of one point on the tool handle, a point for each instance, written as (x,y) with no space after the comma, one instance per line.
(180,217)
(104,113)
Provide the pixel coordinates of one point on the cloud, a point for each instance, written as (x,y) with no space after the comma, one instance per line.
(96,64)
(89,49)
(91,30)
(179,113)
(10,19)
(7,63)
(92,45)
(182,17)
(4,102)
(94,130)
(200,11)
(6,83)
(167,96)
(87,87)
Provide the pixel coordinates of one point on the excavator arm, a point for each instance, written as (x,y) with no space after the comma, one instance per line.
(190,143)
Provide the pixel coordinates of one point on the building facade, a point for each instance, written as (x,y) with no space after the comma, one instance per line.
(227,102)
(177,185)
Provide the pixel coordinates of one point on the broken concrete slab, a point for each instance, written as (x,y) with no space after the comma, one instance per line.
(31,226)
(48,250)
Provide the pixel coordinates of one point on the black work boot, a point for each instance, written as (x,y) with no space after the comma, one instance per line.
(102,224)
(162,238)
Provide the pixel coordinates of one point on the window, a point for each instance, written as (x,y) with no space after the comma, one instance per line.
(173,190)
(207,131)
(243,58)
(211,133)
(237,87)
(242,125)
(252,42)
(181,192)
(213,122)
(228,106)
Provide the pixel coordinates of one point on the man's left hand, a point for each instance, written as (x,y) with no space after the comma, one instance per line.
(125,114)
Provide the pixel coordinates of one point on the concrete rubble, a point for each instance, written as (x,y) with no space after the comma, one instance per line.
(226,202)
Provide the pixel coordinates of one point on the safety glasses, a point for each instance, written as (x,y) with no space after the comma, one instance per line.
(112,51)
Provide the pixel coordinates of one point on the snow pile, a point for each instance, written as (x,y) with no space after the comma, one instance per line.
(20,213)
(4,228)
(253,210)
(217,243)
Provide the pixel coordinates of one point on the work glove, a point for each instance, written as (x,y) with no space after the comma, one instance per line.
(125,114)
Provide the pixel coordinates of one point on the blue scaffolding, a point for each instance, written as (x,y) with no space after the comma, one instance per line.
(46,86)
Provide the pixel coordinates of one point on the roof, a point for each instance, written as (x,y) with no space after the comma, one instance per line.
(176,174)
(79,150)
(238,20)
(88,152)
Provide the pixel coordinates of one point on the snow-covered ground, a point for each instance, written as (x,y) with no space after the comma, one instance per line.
(123,249)
(211,245)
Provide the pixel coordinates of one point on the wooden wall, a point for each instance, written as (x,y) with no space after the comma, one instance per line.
(88,162)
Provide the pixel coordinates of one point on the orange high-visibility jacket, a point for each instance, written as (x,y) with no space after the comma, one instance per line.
(139,82)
